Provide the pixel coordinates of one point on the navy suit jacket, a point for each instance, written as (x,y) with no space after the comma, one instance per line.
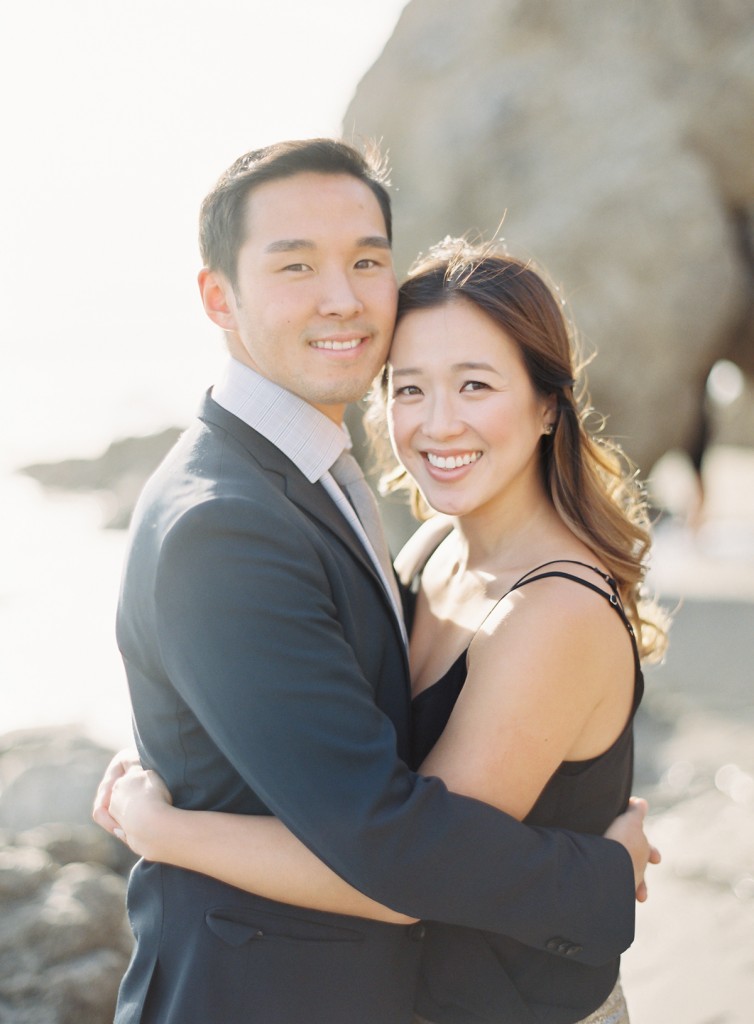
(268,676)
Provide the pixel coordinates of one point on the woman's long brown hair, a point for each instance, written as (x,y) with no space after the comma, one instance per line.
(592,484)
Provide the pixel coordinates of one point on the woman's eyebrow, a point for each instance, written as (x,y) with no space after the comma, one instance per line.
(405,371)
(474,366)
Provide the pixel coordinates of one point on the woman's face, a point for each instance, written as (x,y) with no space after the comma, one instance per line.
(464,418)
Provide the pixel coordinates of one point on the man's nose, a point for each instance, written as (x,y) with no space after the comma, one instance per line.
(339,297)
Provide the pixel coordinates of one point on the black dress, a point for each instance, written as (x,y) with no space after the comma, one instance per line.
(470,976)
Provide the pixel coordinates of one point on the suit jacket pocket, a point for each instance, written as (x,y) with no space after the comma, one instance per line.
(236,926)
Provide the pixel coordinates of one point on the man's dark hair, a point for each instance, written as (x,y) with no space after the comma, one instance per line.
(222,220)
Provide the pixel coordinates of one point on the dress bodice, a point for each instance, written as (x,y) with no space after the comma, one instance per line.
(584,796)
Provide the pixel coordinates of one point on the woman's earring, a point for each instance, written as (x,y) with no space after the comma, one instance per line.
(549,428)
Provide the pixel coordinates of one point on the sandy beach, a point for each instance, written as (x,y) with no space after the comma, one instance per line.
(693,958)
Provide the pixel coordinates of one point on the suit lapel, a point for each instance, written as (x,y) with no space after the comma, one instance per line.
(312,499)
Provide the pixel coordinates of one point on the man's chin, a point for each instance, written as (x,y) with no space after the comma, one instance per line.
(340,393)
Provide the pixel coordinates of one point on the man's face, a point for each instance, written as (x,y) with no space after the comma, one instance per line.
(314,304)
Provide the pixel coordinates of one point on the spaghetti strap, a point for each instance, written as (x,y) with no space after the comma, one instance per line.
(611,582)
(613,598)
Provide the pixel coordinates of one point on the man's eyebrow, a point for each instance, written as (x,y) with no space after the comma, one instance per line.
(296,244)
(373,242)
(290,245)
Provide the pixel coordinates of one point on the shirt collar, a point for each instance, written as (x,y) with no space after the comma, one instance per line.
(304,434)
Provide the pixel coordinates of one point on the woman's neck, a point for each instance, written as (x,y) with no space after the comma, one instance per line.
(494,540)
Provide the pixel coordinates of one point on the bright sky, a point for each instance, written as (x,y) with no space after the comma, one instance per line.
(118,116)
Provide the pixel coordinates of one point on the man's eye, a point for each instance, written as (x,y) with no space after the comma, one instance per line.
(297,266)
(366,264)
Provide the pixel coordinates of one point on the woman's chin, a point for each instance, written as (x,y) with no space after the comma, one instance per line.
(445,506)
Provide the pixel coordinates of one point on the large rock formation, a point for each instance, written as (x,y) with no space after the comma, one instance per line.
(616,144)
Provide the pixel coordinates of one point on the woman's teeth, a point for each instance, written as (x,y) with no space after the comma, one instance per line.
(452,461)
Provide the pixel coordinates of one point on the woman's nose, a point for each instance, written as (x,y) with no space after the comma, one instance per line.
(442,419)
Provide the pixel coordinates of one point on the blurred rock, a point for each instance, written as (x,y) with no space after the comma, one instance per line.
(22,872)
(119,473)
(615,141)
(66,843)
(64,941)
(48,775)
(64,935)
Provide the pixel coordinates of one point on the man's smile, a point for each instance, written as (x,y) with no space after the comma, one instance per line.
(336,345)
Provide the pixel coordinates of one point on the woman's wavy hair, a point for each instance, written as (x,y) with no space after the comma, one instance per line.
(593,485)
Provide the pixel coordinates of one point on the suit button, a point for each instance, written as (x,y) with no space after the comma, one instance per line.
(417,931)
(565,947)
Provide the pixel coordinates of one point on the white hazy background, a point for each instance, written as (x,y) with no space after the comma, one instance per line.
(117,119)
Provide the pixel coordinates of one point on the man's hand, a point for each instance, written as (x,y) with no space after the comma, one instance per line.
(628,830)
(117,768)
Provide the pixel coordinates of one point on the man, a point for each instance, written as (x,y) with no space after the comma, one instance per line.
(266,658)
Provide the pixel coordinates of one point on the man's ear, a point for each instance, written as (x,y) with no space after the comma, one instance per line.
(217,298)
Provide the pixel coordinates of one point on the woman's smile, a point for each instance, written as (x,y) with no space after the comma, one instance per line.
(465,419)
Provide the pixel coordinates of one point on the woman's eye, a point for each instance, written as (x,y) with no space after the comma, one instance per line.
(407,391)
(475,385)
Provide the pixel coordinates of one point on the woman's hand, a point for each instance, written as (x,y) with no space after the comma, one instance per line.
(140,804)
(117,768)
(628,830)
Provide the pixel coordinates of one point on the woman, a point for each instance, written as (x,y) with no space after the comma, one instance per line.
(526,622)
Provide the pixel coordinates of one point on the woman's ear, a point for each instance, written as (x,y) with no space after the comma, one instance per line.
(549,414)
(217,298)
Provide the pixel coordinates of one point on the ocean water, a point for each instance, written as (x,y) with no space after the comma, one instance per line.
(59,566)
(58,659)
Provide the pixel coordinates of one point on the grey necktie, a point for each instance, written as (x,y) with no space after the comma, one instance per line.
(348,473)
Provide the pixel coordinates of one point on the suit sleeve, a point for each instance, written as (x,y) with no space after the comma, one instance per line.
(251,638)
